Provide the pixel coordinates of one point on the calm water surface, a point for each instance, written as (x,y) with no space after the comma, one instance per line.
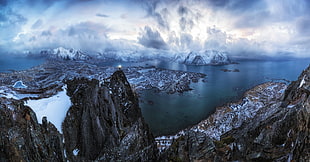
(9,62)
(167,114)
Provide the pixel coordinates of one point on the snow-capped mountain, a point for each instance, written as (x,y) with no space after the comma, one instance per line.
(209,57)
(66,54)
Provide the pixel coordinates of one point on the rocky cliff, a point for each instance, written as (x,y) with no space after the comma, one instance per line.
(271,123)
(104,123)
(23,139)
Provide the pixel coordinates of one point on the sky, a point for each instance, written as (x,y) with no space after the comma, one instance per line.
(243,28)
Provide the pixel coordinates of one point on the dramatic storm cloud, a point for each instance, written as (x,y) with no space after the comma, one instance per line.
(152,39)
(241,27)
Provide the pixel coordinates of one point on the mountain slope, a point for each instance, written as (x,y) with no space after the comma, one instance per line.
(23,139)
(65,54)
(209,57)
(105,122)
(268,124)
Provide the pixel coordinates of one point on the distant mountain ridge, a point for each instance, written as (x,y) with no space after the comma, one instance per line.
(209,57)
(66,54)
(200,58)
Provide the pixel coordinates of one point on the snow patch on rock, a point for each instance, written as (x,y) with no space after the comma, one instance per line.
(75,152)
(19,84)
(54,108)
(302,82)
(233,115)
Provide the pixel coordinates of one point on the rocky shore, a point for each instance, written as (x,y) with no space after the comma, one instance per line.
(270,123)
(104,123)
(47,79)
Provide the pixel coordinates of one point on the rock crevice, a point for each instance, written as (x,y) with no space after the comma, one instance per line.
(105,122)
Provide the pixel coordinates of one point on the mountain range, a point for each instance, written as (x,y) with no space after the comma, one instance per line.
(208,57)
(65,54)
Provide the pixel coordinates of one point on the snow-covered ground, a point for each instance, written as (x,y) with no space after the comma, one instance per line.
(170,81)
(44,80)
(164,142)
(209,57)
(66,54)
(258,102)
(54,108)
(8,92)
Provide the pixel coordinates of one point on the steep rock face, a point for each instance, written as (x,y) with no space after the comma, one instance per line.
(23,139)
(105,122)
(190,146)
(284,136)
(278,130)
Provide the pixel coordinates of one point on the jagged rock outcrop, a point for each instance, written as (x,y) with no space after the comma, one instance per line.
(23,139)
(279,130)
(284,136)
(105,122)
(189,147)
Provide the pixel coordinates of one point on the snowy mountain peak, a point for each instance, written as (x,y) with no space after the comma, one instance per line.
(209,57)
(66,54)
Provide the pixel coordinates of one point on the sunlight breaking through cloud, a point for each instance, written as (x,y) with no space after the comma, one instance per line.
(240,27)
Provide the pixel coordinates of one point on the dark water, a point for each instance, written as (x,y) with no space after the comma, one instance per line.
(9,63)
(167,114)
